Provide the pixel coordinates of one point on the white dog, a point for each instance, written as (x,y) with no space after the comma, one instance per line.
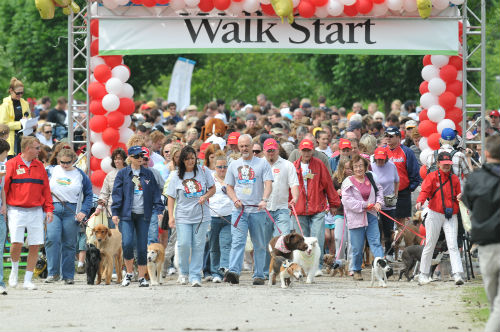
(381,270)
(308,259)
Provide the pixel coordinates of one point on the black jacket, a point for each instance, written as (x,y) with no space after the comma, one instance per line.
(482,196)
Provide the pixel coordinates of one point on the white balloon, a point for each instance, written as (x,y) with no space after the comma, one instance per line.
(114,86)
(422,144)
(440,4)
(439,60)
(265,2)
(127,91)
(126,122)
(334,7)
(100,150)
(394,4)
(321,12)
(176,4)
(192,3)
(457,2)
(424,155)
(295,3)
(121,72)
(348,2)
(125,134)
(110,4)
(110,102)
(436,113)
(96,61)
(379,9)
(93,9)
(95,137)
(437,86)
(251,6)
(459,103)
(428,99)
(460,75)
(235,8)
(429,72)
(446,123)
(106,165)
(92,78)
(410,5)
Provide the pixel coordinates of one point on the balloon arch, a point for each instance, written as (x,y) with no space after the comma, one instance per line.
(110,98)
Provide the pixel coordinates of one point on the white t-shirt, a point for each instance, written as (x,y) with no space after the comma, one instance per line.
(220,203)
(305,170)
(138,201)
(285,177)
(326,151)
(156,158)
(44,141)
(67,185)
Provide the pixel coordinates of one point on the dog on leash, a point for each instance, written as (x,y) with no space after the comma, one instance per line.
(156,256)
(284,246)
(289,270)
(92,262)
(409,237)
(381,271)
(109,243)
(41,266)
(335,267)
(412,255)
(308,259)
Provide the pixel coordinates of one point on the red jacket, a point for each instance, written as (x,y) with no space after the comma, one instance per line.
(319,189)
(431,184)
(27,186)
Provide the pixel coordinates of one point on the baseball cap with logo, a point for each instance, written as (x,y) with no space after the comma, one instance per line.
(410,124)
(270,144)
(344,144)
(233,138)
(306,144)
(445,158)
(134,150)
(495,113)
(448,134)
(380,153)
(393,131)
(145,151)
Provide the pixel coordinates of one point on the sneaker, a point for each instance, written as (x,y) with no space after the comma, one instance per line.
(196,283)
(127,280)
(80,269)
(171,271)
(13,280)
(182,280)
(51,279)
(3,290)
(357,276)
(143,282)
(208,278)
(423,279)
(318,273)
(258,282)
(69,281)
(458,279)
(29,285)
(217,280)
(232,278)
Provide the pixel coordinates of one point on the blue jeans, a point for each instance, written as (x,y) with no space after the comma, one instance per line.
(153,229)
(255,223)
(191,243)
(60,241)
(282,219)
(314,226)
(60,132)
(3,237)
(136,225)
(357,236)
(220,245)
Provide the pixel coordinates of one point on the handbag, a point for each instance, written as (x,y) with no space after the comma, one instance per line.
(390,200)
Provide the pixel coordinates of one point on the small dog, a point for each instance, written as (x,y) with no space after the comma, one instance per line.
(412,255)
(289,270)
(92,262)
(109,243)
(284,246)
(308,259)
(41,266)
(381,271)
(334,267)
(409,237)
(156,256)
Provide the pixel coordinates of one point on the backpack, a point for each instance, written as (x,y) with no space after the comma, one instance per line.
(434,166)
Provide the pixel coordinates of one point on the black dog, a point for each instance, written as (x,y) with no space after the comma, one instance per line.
(92,260)
(413,254)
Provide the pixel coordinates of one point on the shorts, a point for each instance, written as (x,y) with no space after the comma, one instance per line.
(403,206)
(30,219)
(81,241)
(330,226)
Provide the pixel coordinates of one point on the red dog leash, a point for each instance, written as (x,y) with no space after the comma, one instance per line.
(404,226)
(243,210)
(297,218)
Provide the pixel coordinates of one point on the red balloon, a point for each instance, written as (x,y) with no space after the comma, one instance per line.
(423,171)
(97,178)
(427,60)
(94,48)
(423,115)
(96,107)
(460,28)
(162,2)
(364,6)
(110,136)
(98,123)
(267,9)
(113,60)
(115,120)
(350,10)
(206,5)
(378,1)
(119,145)
(455,88)
(456,61)
(95,163)
(447,100)
(102,73)
(94,28)
(137,2)
(127,106)
(459,130)
(97,90)
(424,87)
(427,127)
(448,73)
(222,4)
(149,3)
(306,9)
(433,141)
(319,3)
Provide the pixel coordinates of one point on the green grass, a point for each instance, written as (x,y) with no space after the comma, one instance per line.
(477,303)
(6,274)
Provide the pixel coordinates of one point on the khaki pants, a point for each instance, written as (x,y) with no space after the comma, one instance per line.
(489,262)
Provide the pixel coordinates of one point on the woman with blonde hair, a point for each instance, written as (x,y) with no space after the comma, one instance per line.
(12,110)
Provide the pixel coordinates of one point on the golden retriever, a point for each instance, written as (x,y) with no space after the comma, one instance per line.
(156,256)
(109,242)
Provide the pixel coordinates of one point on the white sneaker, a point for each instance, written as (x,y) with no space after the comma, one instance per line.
(3,290)
(196,283)
(318,273)
(217,280)
(13,280)
(458,279)
(423,279)
(171,271)
(182,280)
(29,285)
(208,278)
(127,279)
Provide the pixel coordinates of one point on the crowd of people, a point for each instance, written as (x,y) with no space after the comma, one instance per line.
(207,178)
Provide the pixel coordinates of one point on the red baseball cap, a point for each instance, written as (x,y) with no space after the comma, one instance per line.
(233,138)
(344,144)
(306,144)
(495,113)
(270,144)
(445,158)
(145,152)
(380,153)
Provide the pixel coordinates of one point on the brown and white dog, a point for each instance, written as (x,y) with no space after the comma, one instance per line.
(409,237)
(109,243)
(156,256)
(334,267)
(283,246)
(289,270)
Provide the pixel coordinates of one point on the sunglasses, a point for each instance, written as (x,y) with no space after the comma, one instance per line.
(257,151)
(48,132)
(221,167)
(224,189)
(137,156)
(19,93)
(65,162)
(389,136)
(270,150)
(145,159)
(166,152)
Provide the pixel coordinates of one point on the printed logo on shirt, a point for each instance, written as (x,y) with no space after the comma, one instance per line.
(246,174)
(63,181)
(137,185)
(192,188)
(276,170)
(397,160)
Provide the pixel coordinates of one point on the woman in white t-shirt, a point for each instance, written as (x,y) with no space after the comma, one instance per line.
(72,196)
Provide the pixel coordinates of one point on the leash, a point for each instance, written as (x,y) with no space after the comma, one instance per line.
(222,217)
(243,210)
(404,226)
(342,240)
(297,218)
